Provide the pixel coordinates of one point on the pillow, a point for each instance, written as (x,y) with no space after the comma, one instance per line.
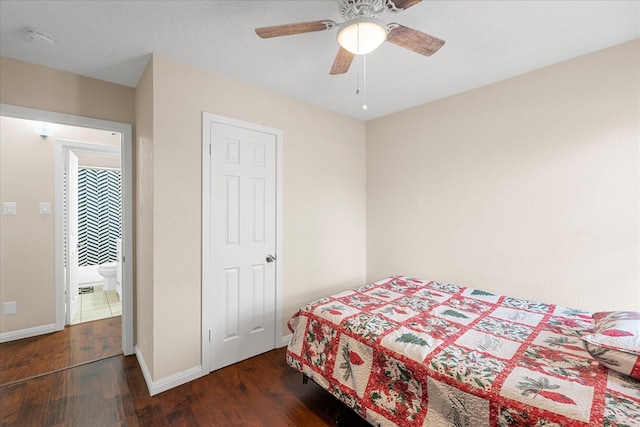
(615,342)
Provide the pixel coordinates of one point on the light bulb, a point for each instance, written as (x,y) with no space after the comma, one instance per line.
(362,35)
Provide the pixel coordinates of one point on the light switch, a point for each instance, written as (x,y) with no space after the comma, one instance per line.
(9,208)
(45,208)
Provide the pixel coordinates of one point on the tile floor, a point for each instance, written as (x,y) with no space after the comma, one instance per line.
(97,305)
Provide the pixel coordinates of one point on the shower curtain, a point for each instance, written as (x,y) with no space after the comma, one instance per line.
(99,215)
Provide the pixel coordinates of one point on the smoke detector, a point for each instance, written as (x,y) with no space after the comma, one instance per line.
(38,36)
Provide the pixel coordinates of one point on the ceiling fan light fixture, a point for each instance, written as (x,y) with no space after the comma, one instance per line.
(362,35)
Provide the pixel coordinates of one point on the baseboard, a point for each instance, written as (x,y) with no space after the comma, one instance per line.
(27,333)
(285,340)
(164,384)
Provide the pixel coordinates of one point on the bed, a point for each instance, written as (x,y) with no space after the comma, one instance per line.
(409,352)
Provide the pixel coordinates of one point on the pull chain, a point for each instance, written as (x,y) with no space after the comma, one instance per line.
(364,83)
(358,75)
(364,73)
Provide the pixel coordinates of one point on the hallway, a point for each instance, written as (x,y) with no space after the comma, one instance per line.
(74,345)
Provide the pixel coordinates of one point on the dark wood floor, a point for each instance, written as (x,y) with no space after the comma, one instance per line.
(74,345)
(262,391)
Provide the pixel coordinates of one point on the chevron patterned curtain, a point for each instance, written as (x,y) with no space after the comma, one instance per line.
(99,215)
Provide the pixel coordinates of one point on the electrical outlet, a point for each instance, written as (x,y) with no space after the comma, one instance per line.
(10,307)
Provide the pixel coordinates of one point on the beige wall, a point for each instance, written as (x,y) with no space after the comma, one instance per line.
(23,152)
(33,86)
(324,200)
(27,239)
(144,216)
(527,187)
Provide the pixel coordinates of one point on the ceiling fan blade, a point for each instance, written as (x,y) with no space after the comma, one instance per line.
(342,62)
(398,5)
(414,40)
(290,29)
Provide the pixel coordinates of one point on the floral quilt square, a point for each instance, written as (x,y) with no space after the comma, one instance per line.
(445,287)
(403,285)
(503,328)
(569,326)
(538,307)
(393,388)
(583,370)
(449,406)
(353,364)
(470,367)
(554,394)
(469,304)
(410,343)
(368,325)
(318,347)
(417,303)
(434,326)
(294,362)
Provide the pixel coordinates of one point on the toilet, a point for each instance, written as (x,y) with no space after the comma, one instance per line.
(108,270)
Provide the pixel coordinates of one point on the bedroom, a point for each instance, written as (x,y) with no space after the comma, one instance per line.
(526,171)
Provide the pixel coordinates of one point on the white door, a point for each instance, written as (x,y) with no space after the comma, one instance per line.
(72,237)
(243,243)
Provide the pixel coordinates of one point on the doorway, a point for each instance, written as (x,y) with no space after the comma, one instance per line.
(242,240)
(127,212)
(92,235)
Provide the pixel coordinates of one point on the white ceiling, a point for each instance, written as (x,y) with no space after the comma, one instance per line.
(486,41)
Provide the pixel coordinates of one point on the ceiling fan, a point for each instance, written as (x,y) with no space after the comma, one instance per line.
(362,31)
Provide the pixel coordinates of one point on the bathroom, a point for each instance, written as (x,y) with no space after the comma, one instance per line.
(99,218)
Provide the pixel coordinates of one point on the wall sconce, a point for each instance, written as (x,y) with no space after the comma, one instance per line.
(44,129)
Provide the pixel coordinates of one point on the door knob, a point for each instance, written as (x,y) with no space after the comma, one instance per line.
(271,258)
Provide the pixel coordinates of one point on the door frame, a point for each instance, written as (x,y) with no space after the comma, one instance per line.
(126,165)
(207,118)
(71,218)
(62,147)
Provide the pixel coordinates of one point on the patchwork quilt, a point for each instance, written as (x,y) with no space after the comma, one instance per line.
(409,352)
